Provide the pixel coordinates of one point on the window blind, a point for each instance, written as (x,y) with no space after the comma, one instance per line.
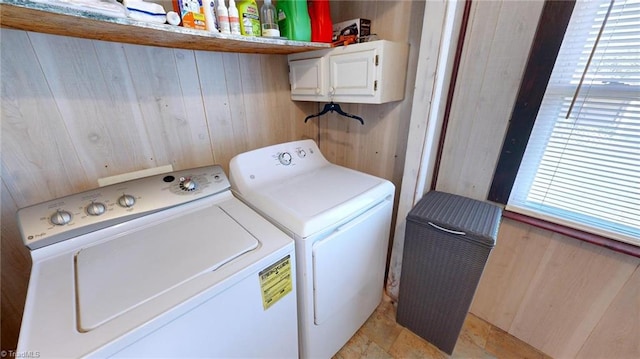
(581,167)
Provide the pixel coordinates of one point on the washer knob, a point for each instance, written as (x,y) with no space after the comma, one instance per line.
(187,184)
(126,201)
(95,209)
(60,218)
(302,153)
(285,158)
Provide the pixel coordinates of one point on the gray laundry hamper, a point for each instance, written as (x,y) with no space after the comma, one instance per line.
(448,239)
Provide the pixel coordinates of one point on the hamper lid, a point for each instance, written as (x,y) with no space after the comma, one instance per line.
(476,220)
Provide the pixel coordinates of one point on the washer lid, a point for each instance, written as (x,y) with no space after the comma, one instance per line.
(308,203)
(119,275)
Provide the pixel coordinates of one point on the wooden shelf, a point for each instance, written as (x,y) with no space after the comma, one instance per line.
(50,19)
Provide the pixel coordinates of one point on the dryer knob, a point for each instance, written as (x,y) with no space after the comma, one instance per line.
(60,218)
(285,158)
(126,200)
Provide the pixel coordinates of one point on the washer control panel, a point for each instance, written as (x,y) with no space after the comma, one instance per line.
(67,217)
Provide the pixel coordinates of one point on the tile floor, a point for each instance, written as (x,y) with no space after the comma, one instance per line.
(381,337)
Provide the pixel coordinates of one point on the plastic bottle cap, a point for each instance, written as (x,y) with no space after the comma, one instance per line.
(173,18)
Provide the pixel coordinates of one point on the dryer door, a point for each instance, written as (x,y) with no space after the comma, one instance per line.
(348,265)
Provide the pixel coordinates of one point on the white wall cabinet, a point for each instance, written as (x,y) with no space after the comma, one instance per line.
(370,72)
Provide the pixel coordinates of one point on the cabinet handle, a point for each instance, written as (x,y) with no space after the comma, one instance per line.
(317,91)
(332,90)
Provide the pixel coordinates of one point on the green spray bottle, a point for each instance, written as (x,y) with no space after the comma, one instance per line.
(293,19)
(249,18)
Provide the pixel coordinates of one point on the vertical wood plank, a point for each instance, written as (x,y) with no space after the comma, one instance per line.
(82,96)
(235,95)
(267,68)
(511,266)
(15,268)
(254,101)
(271,118)
(36,146)
(194,134)
(286,120)
(217,107)
(347,10)
(498,43)
(390,21)
(169,96)
(119,85)
(475,57)
(617,335)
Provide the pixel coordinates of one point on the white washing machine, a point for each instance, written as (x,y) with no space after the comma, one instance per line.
(340,220)
(170,265)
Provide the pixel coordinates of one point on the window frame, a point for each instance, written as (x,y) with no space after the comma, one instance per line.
(548,38)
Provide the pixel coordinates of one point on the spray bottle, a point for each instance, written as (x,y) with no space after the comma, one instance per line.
(268,19)
(249,18)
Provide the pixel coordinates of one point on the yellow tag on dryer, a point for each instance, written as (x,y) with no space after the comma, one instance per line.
(276,281)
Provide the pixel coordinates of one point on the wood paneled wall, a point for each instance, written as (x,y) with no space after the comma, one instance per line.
(568,298)
(76,110)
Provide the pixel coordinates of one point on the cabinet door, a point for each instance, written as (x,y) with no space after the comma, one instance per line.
(353,73)
(308,78)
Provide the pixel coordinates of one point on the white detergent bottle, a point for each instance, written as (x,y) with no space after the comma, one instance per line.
(234,18)
(209,15)
(223,17)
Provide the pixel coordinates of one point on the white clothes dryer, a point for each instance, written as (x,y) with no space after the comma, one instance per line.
(170,265)
(340,220)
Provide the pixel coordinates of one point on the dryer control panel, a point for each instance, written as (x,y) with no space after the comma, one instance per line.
(67,217)
(275,164)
